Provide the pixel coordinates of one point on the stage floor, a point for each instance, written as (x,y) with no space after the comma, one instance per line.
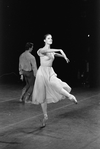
(69,126)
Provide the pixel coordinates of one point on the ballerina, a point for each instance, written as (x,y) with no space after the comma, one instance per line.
(48,87)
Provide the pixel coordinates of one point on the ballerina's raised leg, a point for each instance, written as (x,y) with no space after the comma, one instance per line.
(70,96)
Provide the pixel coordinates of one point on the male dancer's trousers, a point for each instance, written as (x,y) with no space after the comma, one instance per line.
(28,89)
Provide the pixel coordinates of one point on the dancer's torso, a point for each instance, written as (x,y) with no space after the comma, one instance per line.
(46,60)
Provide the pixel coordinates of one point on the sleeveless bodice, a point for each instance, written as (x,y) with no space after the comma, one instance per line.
(46,60)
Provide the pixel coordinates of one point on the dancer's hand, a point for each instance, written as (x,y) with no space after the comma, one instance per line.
(64,55)
(67,60)
(21,77)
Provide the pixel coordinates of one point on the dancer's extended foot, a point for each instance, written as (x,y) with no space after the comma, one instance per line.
(44,120)
(72,97)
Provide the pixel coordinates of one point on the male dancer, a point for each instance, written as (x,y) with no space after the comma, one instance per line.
(27,70)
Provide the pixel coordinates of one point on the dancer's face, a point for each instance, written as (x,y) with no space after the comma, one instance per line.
(48,39)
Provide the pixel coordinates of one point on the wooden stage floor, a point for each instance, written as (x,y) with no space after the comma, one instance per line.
(69,126)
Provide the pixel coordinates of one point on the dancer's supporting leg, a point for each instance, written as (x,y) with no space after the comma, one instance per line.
(44,109)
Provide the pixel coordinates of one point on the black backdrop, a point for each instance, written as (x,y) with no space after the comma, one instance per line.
(74,26)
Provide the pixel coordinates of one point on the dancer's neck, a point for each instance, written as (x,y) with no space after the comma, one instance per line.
(47,46)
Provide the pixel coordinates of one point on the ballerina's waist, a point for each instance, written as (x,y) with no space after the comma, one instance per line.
(46,65)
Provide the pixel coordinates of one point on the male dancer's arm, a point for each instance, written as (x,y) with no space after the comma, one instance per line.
(20,70)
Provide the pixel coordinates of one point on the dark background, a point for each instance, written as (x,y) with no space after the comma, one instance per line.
(74,25)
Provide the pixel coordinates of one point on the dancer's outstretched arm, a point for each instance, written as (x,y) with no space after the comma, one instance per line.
(64,55)
(44,50)
(59,55)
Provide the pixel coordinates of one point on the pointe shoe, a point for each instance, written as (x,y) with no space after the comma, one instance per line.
(44,121)
(72,97)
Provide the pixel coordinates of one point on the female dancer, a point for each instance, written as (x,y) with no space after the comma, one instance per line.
(48,88)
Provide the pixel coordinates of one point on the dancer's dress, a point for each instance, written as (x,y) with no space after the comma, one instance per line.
(47,86)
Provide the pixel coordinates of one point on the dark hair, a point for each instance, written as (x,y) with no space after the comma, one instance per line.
(46,35)
(28,45)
